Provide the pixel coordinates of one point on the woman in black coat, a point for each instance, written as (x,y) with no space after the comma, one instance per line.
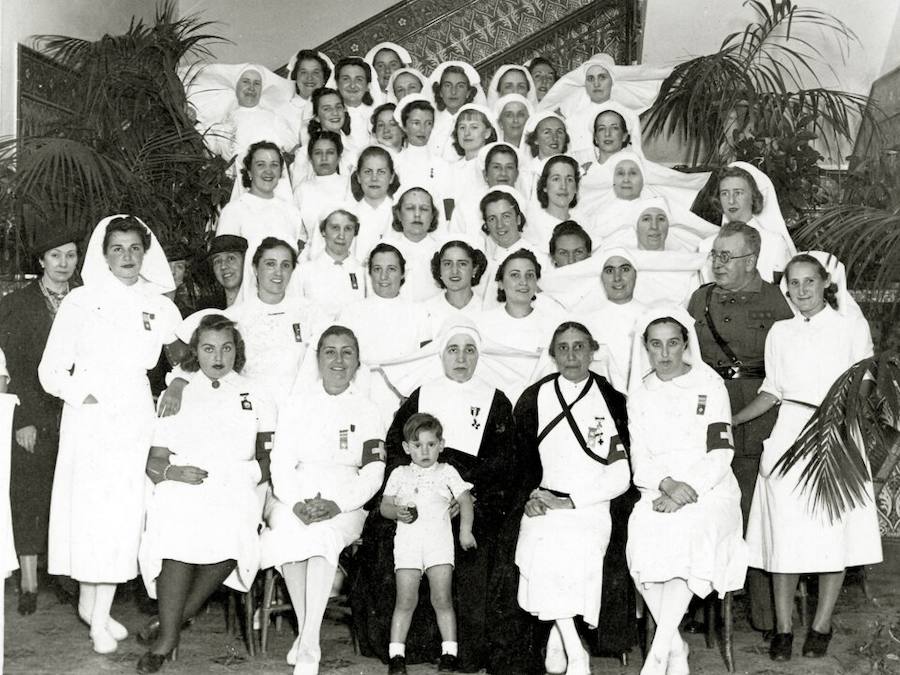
(479,437)
(25,319)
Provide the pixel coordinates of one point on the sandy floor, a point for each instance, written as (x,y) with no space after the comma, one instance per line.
(867,640)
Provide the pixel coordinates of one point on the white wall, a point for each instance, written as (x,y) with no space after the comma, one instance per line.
(676,30)
(269,31)
(21,19)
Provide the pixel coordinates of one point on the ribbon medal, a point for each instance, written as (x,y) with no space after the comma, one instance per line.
(354,284)
(475,411)
(595,433)
(701,404)
(148,317)
(298,336)
(245,402)
(343,438)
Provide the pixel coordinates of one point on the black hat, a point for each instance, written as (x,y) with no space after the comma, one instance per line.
(227,243)
(51,237)
(176,250)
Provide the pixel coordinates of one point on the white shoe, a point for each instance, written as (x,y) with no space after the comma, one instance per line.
(117,630)
(678,660)
(580,666)
(104,643)
(291,657)
(654,665)
(555,661)
(306,664)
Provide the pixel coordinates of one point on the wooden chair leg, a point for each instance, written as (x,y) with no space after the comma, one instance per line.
(709,616)
(864,582)
(230,613)
(803,597)
(268,592)
(728,630)
(249,607)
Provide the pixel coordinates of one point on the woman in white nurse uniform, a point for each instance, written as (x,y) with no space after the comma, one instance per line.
(328,461)
(106,335)
(684,535)
(786,535)
(202,518)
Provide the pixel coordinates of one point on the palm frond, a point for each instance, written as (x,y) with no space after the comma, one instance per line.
(767,69)
(847,429)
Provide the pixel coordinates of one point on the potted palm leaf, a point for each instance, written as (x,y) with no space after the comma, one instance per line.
(123,141)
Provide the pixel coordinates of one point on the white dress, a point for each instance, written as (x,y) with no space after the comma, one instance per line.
(331,284)
(327,445)
(374,223)
(418,284)
(255,218)
(104,339)
(215,430)
(613,325)
(560,554)
(439,311)
(803,359)
(528,333)
(387,329)
(681,429)
(276,339)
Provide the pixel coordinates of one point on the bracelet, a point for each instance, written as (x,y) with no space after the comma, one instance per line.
(166,471)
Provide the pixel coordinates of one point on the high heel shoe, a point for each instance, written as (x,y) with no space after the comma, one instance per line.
(153,663)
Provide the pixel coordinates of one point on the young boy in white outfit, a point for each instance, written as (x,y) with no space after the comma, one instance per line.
(418,497)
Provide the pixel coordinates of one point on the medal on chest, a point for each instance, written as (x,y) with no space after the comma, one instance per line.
(354,284)
(701,404)
(298,335)
(245,402)
(148,317)
(344,437)
(475,411)
(595,433)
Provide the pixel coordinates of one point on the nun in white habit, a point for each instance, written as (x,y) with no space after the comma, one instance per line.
(243,102)
(106,335)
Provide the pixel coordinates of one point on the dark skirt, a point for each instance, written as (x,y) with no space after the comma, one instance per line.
(30,484)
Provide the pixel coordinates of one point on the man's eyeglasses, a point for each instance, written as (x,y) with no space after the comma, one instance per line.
(725,257)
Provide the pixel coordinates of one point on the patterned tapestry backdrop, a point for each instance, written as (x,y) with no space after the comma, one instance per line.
(487,34)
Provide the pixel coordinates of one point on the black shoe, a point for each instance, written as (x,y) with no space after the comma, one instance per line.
(780,649)
(27,603)
(448,663)
(816,644)
(147,635)
(152,663)
(397,665)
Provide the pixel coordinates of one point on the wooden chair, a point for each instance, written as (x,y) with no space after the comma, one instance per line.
(713,610)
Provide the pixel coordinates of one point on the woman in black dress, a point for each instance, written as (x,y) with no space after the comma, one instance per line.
(25,319)
(479,436)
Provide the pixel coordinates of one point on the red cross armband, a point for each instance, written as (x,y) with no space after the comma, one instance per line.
(718,437)
(373,451)
(617,450)
(264,445)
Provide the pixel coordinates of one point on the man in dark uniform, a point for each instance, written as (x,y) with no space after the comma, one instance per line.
(733,317)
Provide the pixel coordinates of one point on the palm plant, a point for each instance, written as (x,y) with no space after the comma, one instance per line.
(862,228)
(755,85)
(127,143)
(855,421)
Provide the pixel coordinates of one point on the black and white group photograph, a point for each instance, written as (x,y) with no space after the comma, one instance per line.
(440,336)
